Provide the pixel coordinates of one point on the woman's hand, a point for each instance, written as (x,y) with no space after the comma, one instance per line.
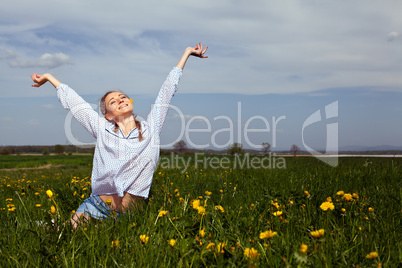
(196,51)
(39,80)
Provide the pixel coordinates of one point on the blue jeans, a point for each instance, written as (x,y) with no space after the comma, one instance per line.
(96,208)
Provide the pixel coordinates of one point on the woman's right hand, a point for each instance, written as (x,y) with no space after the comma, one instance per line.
(39,80)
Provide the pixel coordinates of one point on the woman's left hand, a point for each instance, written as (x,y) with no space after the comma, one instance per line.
(198,51)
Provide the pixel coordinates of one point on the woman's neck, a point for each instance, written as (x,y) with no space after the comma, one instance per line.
(126,124)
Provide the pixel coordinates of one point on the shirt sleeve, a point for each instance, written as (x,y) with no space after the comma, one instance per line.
(159,110)
(79,108)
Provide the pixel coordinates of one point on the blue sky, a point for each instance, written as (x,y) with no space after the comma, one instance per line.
(271,59)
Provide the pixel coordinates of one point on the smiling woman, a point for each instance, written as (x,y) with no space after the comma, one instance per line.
(127,151)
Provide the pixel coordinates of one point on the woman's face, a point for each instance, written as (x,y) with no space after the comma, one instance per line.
(117,104)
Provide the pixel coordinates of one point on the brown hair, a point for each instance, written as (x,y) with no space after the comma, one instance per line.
(102,106)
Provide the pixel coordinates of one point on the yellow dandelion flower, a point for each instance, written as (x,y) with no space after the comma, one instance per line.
(208,193)
(82,196)
(12,209)
(275,204)
(196,204)
(317,234)
(372,255)
(144,238)
(267,234)
(201,210)
(329,199)
(348,197)
(219,208)
(343,210)
(36,193)
(9,199)
(251,253)
(327,205)
(370,209)
(303,248)
(355,196)
(52,210)
(75,193)
(220,247)
(278,213)
(202,232)
(49,193)
(38,205)
(108,201)
(221,191)
(115,244)
(210,246)
(340,193)
(172,242)
(306,193)
(162,213)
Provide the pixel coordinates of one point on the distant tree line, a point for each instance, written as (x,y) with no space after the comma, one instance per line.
(44,149)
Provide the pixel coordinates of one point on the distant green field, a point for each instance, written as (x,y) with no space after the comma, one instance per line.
(213,212)
(24,161)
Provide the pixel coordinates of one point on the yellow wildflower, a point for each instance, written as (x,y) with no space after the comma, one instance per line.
(202,232)
(317,234)
(108,201)
(49,193)
(220,247)
(251,253)
(327,205)
(144,239)
(275,204)
(306,193)
(210,245)
(208,193)
(9,199)
(343,210)
(303,248)
(115,244)
(38,205)
(162,213)
(219,208)
(372,255)
(196,204)
(278,213)
(201,210)
(172,242)
(348,197)
(36,193)
(370,209)
(267,234)
(52,210)
(355,196)
(340,193)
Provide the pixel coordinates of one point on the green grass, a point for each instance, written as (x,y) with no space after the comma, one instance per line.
(250,197)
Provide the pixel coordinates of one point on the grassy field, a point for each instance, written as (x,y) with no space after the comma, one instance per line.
(302,214)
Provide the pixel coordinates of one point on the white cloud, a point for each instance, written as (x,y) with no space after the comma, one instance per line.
(33,122)
(48,106)
(46,60)
(392,36)
(7,53)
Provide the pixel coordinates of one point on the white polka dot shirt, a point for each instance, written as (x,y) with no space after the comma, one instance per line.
(123,163)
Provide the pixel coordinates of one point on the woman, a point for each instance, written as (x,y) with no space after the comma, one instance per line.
(127,151)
